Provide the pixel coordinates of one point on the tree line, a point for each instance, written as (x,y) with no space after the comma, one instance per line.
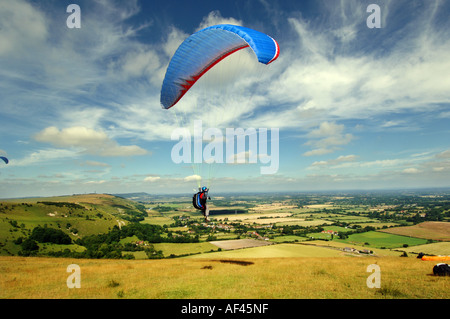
(102,245)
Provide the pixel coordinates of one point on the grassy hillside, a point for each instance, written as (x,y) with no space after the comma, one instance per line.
(77,216)
(271,278)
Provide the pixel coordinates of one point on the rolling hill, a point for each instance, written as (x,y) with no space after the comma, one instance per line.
(77,216)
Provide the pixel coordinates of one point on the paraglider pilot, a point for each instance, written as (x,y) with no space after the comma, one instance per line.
(199,201)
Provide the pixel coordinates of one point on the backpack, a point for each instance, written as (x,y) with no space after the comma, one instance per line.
(441,270)
(196,201)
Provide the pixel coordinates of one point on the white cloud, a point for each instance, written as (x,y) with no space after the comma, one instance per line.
(325,72)
(140,63)
(318,152)
(215,17)
(152,179)
(89,140)
(327,129)
(341,159)
(44,156)
(96,182)
(192,178)
(83,116)
(424,167)
(383,163)
(318,74)
(444,155)
(327,138)
(439,162)
(102,83)
(21,26)
(174,38)
(95,164)
(245,157)
(411,170)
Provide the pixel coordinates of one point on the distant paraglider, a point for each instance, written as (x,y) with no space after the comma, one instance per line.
(4,159)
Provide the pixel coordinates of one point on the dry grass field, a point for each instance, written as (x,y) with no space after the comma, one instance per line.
(319,206)
(440,248)
(239,243)
(427,230)
(270,278)
(274,251)
(272,207)
(250,217)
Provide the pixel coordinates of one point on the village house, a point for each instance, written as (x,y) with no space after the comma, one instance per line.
(258,236)
(331,232)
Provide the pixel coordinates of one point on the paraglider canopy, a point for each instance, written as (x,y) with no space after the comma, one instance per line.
(225,87)
(4,159)
(204,49)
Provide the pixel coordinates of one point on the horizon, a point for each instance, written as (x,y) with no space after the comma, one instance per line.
(360,98)
(287,193)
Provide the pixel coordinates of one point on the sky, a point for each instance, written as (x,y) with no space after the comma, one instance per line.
(356,108)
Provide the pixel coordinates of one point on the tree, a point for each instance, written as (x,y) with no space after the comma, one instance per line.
(29,245)
(50,235)
(342,235)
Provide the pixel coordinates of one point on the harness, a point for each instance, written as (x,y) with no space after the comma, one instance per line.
(198,201)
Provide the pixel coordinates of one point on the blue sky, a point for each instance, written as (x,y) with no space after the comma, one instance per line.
(356,107)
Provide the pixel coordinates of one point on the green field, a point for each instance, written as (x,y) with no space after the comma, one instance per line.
(169,249)
(342,245)
(158,220)
(376,225)
(287,238)
(382,240)
(305,223)
(353,219)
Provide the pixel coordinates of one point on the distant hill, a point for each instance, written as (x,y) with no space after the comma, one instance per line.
(136,196)
(155,198)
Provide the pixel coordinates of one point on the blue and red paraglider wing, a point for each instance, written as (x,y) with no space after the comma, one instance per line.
(204,49)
